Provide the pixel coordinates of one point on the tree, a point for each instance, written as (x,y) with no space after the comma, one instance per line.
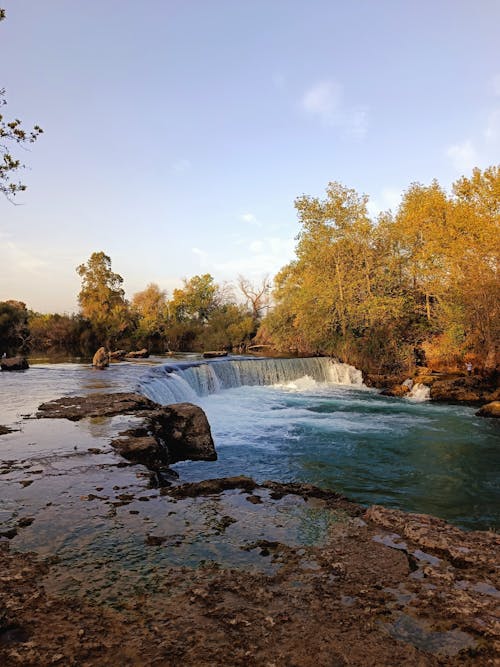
(14,332)
(151,309)
(12,132)
(102,298)
(257,296)
(199,297)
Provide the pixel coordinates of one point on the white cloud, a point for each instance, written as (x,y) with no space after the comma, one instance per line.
(18,258)
(463,155)
(325,100)
(389,198)
(266,256)
(251,219)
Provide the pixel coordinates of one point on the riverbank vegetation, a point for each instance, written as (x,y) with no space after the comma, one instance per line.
(418,284)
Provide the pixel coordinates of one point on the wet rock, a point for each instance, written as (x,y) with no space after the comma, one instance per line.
(146,450)
(96,405)
(117,355)
(14,364)
(397,391)
(185,431)
(210,486)
(4,430)
(490,410)
(9,533)
(213,354)
(462,549)
(101,358)
(138,354)
(469,389)
(155,540)
(25,521)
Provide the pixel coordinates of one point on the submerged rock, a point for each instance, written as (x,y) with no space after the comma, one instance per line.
(14,364)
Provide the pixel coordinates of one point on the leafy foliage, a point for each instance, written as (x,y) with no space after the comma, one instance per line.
(372,291)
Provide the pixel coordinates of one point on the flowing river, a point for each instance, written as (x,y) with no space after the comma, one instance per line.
(304,420)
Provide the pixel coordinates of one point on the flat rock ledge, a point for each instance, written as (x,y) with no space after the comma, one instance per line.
(165,433)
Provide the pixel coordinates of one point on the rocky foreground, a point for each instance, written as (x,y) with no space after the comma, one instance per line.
(286,574)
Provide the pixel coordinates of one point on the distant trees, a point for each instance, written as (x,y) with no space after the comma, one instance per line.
(102,298)
(14,331)
(12,133)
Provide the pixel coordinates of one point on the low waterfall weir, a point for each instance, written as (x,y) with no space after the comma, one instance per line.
(186,381)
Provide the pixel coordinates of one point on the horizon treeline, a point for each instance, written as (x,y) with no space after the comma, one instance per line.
(420,282)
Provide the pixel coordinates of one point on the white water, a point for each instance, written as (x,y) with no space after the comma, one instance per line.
(419,392)
(179,382)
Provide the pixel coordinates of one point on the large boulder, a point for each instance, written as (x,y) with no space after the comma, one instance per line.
(490,410)
(185,430)
(14,364)
(101,358)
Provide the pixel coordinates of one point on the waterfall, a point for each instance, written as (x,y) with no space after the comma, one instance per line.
(186,381)
(419,392)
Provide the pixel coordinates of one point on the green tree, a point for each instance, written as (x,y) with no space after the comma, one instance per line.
(150,308)
(102,298)
(197,299)
(12,133)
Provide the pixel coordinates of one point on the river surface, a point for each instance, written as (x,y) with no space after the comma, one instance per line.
(286,420)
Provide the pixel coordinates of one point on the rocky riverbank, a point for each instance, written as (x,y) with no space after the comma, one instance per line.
(224,571)
(443,386)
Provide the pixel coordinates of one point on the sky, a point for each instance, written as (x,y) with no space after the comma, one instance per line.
(178,133)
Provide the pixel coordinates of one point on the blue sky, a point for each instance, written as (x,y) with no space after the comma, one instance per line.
(179,132)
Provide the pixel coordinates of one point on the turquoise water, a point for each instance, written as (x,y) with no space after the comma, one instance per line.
(421,457)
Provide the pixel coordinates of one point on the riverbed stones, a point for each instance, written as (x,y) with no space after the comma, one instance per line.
(14,364)
(138,354)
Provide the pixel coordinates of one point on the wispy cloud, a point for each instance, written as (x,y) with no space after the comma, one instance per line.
(19,258)
(463,155)
(389,198)
(484,146)
(325,101)
(261,256)
(251,219)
